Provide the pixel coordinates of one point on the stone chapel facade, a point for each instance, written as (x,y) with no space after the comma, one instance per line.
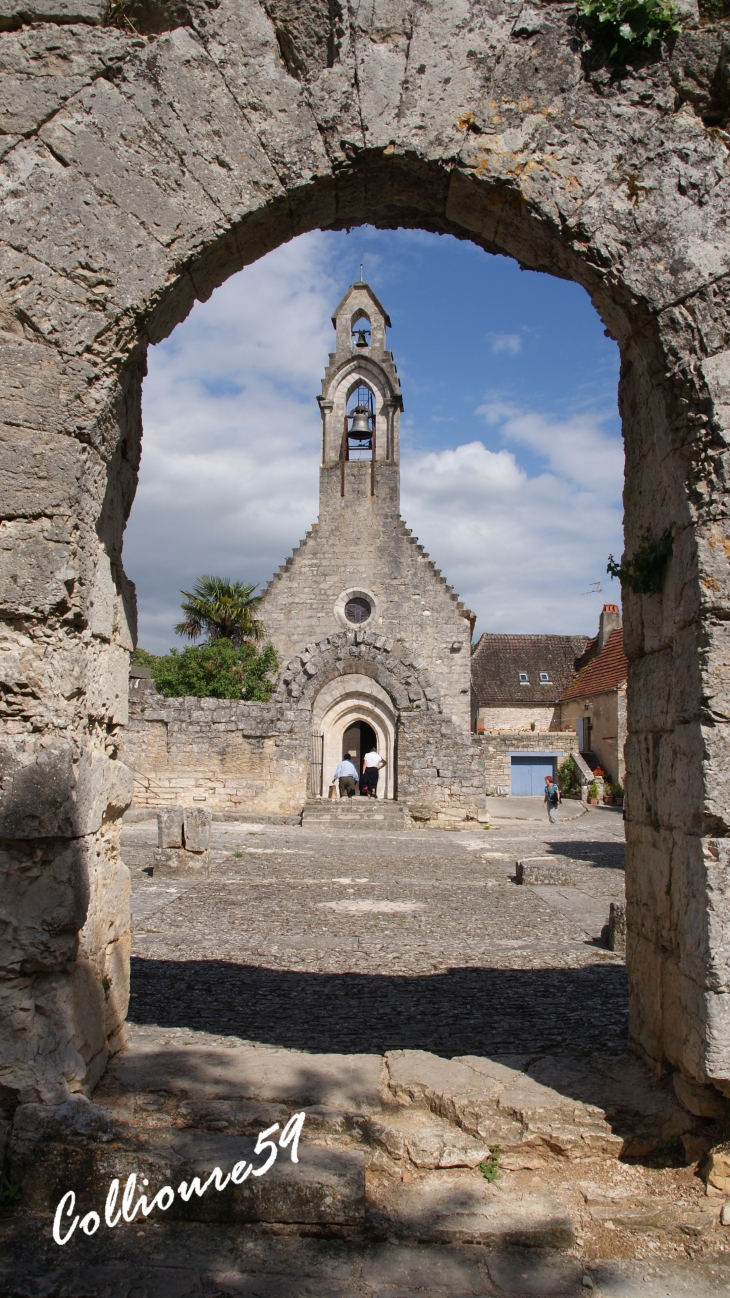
(374,646)
(360,589)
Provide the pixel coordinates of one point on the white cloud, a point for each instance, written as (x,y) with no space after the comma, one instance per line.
(509,343)
(229,478)
(522,548)
(230,460)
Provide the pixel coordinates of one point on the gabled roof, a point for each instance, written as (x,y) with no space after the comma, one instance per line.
(606,671)
(498,660)
(361,284)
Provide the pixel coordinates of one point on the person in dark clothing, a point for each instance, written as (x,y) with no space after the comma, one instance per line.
(372,765)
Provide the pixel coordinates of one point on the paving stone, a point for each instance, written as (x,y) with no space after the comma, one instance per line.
(464,1207)
(285,1076)
(530,1271)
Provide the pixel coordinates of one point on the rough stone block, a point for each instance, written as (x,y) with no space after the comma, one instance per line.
(717,1169)
(614,932)
(703,1101)
(166,859)
(545,870)
(196,828)
(170,827)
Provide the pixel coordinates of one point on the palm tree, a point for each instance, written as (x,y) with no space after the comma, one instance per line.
(220,609)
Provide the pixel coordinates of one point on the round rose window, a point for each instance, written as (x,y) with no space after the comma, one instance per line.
(357,610)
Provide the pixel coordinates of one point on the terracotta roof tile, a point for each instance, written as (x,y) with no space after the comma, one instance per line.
(606,671)
(498,660)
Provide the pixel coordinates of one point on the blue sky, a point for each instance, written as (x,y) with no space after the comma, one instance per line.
(511,449)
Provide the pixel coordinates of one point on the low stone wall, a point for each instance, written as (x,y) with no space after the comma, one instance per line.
(224,753)
(498,744)
(233,756)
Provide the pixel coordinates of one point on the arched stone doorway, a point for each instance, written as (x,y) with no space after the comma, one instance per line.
(165,164)
(344,702)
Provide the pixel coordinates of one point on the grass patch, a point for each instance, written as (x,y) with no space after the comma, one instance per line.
(490,1167)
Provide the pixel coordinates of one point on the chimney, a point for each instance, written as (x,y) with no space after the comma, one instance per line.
(610,620)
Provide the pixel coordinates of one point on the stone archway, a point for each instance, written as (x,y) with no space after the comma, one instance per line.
(356,698)
(158,167)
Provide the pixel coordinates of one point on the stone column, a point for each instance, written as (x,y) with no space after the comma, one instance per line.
(65,640)
(677,770)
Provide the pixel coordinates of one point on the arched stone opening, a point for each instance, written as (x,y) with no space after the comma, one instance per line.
(143,189)
(348,699)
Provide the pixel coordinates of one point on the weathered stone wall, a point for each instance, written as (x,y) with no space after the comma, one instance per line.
(361,542)
(137,174)
(518,718)
(607,713)
(232,756)
(498,744)
(440,770)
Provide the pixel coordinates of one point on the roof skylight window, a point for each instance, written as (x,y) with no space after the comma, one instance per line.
(524,679)
(544,678)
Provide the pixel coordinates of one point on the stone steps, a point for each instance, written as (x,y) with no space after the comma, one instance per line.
(357,812)
(389,1144)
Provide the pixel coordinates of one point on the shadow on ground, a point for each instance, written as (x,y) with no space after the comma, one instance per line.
(483,1011)
(598,853)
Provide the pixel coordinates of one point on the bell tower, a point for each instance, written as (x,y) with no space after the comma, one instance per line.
(359,583)
(360,405)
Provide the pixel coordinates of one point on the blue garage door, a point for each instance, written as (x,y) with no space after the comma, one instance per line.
(528,774)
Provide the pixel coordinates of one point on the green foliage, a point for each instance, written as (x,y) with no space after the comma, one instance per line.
(141,658)
(593,791)
(626,28)
(615,790)
(644,574)
(221,670)
(490,1167)
(221,610)
(568,777)
(713,11)
(9,1194)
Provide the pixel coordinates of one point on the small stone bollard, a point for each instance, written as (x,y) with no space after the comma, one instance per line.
(197,822)
(170,827)
(616,928)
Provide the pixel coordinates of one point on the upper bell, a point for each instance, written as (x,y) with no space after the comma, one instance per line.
(360,423)
(362,341)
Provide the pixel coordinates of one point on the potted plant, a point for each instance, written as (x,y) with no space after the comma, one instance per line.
(593,794)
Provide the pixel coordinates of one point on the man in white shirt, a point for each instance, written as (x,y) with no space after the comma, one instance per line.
(346,773)
(372,764)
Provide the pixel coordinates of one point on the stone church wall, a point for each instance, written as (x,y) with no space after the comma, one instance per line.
(361,543)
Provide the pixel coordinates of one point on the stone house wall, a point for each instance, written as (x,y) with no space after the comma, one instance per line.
(607,714)
(518,717)
(497,745)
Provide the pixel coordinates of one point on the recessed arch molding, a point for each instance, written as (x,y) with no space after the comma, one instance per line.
(163,162)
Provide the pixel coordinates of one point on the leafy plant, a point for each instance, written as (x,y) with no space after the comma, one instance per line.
(713,11)
(9,1194)
(490,1167)
(644,574)
(598,771)
(221,610)
(221,670)
(593,791)
(568,777)
(630,27)
(614,790)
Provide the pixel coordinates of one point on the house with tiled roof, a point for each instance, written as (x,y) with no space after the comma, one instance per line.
(518,680)
(594,703)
